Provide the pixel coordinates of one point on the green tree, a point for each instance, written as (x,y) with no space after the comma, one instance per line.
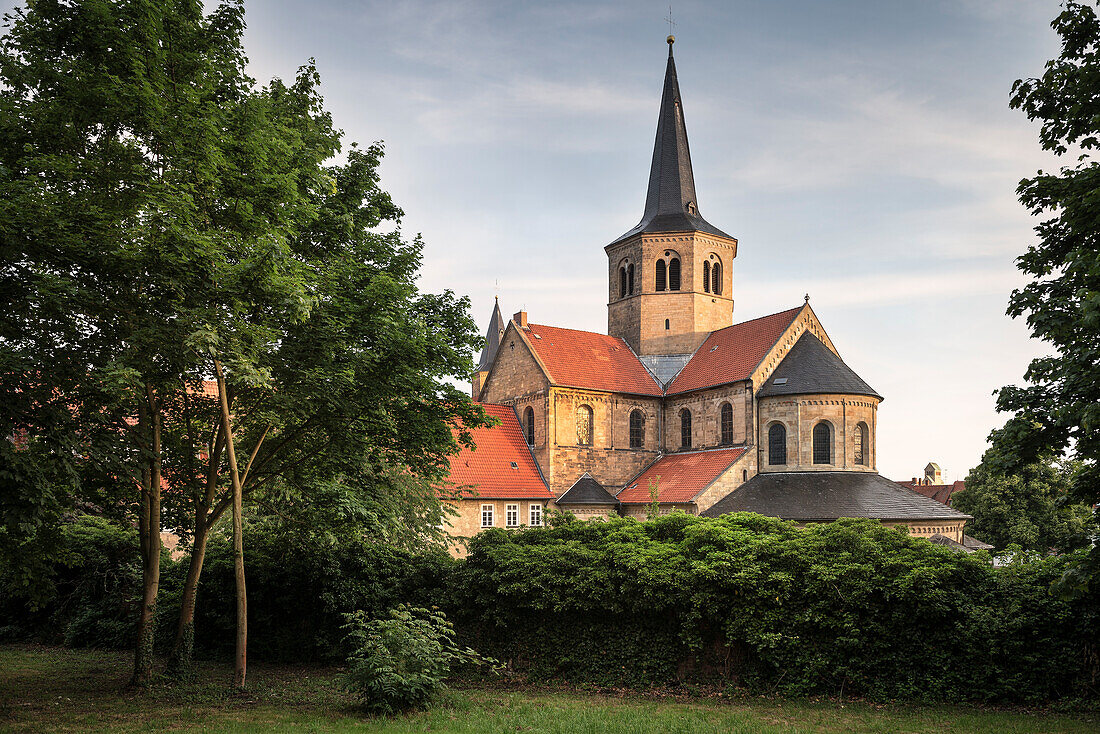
(1028,507)
(163,221)
(1058,410)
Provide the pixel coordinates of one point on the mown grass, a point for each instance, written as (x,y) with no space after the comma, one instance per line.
(59,690)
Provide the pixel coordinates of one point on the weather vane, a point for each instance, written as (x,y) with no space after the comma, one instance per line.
(669,20)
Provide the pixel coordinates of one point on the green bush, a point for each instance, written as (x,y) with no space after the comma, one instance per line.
(849,607)
(400,663)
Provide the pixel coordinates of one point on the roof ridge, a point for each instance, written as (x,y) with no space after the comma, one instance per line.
(576,331)
(758,318)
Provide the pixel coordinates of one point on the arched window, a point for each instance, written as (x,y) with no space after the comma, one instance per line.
(584,425)
(637,429)
(674,274)
(660,285)
(716,279)
(666,324)
(777,444)
(823,443)
(727,424)
(622,282)
(630,279)
(685,429)
(859,440)
(529,425)
(706,276)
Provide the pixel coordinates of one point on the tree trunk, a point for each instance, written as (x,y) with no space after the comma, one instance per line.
(181,662)
(238,539)
(149,531)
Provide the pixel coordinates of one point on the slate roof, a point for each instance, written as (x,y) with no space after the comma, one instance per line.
(825,496)
(680,476)
(670,203)
(492,339)
(810,367)
(502,466)
(975,544)
(587,491)
(588,360)
(732,353)
(940,539)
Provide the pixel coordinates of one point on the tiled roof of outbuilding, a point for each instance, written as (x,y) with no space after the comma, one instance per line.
(810,367)
(732,353)
(588,360)
(502,466)
(825,496)
(939,492)
(680,476)
(587,491)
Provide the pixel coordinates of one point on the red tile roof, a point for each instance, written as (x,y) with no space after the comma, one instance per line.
(680,477)
(732,353)
(588,360)
(939,492)
(502,466)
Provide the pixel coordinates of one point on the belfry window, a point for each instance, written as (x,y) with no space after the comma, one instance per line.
(529,425)
(674,274)
(726,424)
(622,282)
(685,429)
(716,279)
(630,279)
(660,284)
(823,443)
(859,441)
(777,444)
(706,276)
(637,429)
(584,426)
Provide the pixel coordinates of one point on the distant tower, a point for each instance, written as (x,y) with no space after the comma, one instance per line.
(489,352)
(670,278)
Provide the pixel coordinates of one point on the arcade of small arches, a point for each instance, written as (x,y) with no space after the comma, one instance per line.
(667,275)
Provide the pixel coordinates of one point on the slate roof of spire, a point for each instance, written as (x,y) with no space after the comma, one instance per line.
(810,367)
(492,339)
(670,203)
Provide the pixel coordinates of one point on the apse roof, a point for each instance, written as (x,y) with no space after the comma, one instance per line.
(826,496)
(810,367)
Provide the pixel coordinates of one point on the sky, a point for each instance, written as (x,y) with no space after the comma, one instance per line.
(862,152)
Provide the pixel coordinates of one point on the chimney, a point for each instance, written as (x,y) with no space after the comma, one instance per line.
(521,319)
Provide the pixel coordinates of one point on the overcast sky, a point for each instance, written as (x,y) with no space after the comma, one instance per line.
(861,151)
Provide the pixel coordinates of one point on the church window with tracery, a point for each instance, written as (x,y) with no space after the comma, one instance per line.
(584,425)
(660,284)
(529,425)
(637,429)
(685,429)
(823,443)
(674,274)
(777,444)
(727,424)
(859,441)
(706,277)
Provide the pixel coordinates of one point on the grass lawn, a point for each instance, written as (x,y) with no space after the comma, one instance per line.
(58,690)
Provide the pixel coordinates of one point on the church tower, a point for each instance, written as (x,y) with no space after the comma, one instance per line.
(670,278)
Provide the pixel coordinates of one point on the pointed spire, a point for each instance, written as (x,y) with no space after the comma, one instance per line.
(492,338)
(671,204)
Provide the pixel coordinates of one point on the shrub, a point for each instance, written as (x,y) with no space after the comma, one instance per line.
(400,663)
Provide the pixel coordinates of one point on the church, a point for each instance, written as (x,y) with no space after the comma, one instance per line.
(677,407)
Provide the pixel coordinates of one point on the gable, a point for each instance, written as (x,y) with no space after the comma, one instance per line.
(515,371)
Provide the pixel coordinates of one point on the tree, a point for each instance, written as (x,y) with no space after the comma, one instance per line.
(1058,411)
(164,221)
(1028,507)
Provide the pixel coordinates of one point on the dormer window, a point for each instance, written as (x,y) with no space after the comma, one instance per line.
(691,208)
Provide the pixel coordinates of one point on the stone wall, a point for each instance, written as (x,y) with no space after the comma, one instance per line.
(706,412)
(740,472)
(800,413)
(468,521)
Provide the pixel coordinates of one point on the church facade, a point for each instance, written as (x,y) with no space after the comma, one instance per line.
(678,405)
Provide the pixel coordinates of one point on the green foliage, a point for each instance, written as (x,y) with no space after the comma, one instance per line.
(1029,507)
(847,607)
(1058,411)
(400,663)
